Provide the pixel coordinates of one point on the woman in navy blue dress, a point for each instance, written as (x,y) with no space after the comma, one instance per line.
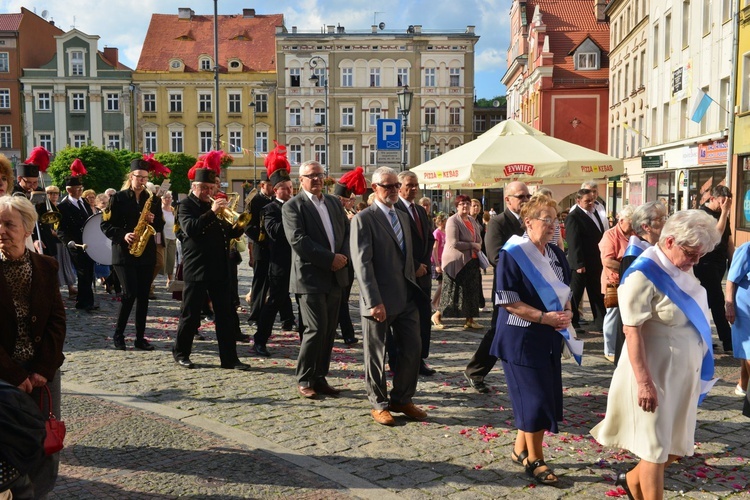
(533,292)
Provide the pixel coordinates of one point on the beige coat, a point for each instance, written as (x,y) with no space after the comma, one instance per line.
(458,240)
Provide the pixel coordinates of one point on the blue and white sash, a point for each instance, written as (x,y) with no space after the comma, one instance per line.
(636,246)
(688,295)
(553,292)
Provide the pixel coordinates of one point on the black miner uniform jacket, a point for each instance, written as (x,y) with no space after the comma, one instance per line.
(121,217)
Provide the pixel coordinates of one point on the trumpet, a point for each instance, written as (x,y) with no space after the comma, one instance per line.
(50,216)
(229,213)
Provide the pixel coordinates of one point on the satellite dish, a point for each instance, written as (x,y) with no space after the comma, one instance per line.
(44,14)
(495,103)
(381,26)
(410,29)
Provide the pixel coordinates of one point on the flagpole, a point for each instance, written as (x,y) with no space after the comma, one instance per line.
(732,92)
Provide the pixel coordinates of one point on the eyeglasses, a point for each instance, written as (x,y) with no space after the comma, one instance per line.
(140,176)
(387,187)
(314,177)
(520,196)
(691,254)
(548,221)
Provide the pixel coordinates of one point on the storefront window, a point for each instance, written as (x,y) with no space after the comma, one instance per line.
(660,187)
(701,184)
(743,220)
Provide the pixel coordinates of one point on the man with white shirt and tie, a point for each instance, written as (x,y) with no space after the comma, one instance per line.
(73,215)
(584,228)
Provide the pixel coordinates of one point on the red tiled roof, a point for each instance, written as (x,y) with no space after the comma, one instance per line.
(10,22)
(568,23)
(251,40)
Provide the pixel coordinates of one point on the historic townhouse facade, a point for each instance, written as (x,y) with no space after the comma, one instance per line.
(176,93)
(26,41)
(364,73)
(81,96)
(741,168)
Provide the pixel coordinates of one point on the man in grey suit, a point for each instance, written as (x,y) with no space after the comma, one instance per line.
(383,262)
(316,226)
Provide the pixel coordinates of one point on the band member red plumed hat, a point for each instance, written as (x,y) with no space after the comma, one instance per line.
(77,170)
(351,183)
(277,165)
(38,161)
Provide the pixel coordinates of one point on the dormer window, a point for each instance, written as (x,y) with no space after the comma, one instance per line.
(176,65)
(235,65)
(76,61)
(588,60)
(204,64)
(587,56)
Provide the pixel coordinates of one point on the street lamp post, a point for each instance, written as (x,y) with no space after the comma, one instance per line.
(404,102)
(314,61)
(251,105)
(424,134)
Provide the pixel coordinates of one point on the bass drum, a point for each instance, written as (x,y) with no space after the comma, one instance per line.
(98,246)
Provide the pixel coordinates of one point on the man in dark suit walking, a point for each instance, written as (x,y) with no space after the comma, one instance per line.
(499,230)
(422,243)
(382,252)
(73,215)
(316,228)
(258,251)
(583,230)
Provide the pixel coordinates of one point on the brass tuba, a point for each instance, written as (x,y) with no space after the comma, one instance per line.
(229,213)
(143,230)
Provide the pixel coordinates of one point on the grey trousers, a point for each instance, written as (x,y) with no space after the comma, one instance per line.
(320,315)
(404,329)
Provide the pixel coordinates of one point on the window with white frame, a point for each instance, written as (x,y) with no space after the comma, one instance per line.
(205,140)
(455,77)
(347,117)
(707,17)
(176,141)
(295,154)
(347,155)
(319,153)
(372,154)
(45,141)
(429,77)
(175,101)
(6,137)
(402,77)
(205,64)
(77,101)
(77,65)
(321,74)
(375,114)
(149,102)
(44,101)
(454,115)
(149,141)
(78,140)
(295,117)
(235,141)
(685,23)
(4,66)
(261,103)
(113,141)
(261,141)
(204,102)
(347,77)
(319,117)
(113,102)
(587,60)
(4,98)
(430,115)
(374,77)
(667,35)
(294,77)
(234,102)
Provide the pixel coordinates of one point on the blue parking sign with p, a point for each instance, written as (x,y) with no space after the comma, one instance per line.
(389,134)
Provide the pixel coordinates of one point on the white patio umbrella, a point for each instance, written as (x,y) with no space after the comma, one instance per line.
(510,151)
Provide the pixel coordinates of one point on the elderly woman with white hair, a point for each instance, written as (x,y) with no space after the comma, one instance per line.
(32,323)
(612,247)
(667,362)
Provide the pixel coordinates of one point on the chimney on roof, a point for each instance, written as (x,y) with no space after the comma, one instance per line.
(470,29)
(112,55)
(599,7)
(374,28)
(248,13)
(331,28)
(340,29)
(185,13)
(417,28)
(294,29)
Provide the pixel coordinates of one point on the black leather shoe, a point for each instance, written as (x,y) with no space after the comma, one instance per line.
(198,336)
(351,341)
(185,363)
(242,338)
(143,345)
(426,370)
(289,327)
(261,350)
(237,365)
(477,385)
(120,344)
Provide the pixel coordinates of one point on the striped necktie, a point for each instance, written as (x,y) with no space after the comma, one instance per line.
(397,229)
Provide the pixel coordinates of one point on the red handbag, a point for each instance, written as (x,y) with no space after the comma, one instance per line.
(53,442)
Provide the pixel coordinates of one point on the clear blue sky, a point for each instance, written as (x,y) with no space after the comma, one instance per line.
(123,23)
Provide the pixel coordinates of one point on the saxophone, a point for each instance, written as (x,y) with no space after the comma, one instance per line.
(143,230)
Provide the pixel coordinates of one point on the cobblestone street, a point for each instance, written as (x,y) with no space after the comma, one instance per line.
(139,426)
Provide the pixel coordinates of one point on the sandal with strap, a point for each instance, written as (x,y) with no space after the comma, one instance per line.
(542,477)
(518,458)
(622,481)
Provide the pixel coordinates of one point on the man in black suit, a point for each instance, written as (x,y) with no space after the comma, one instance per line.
(74,212)
(584,228)
(279,262)
(258,250)
(422,243)
(205,269)
(499,230)
(316,228)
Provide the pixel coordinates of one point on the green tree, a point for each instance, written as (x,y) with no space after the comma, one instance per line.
(488,103)
(179,164)
(104,170)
